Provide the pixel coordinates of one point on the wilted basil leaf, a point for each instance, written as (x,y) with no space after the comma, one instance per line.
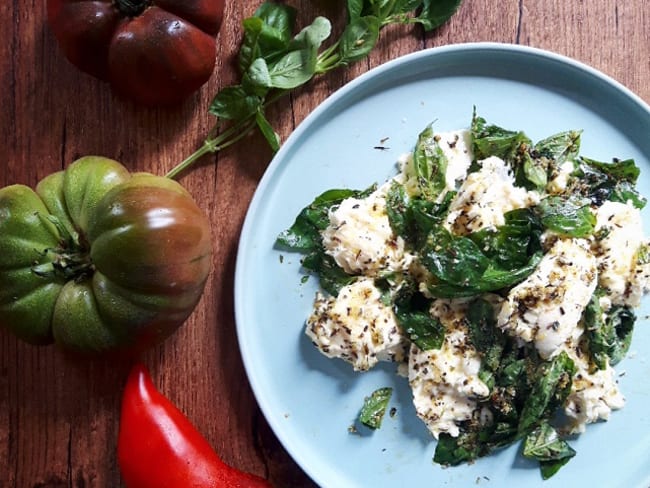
(374,408)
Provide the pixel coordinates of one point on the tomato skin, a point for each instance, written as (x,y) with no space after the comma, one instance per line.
(100,260)
(158,56)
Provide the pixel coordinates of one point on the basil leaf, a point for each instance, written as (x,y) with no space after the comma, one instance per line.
(434,13)
(234,103)
(374,408)
(414,218)
(294,69)
(567,216)
(491,140)
(559,147)
(452,451)
(355,7)
(266,34)
(267,130)
(312,36)
(304,234)
(331,276)
(358,39)
(545,445)
(551,386)
(486,337)
(257,79)
(601,181)
(412,313)
(608,335)
(430,165)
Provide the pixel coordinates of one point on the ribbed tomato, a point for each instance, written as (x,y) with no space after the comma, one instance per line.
(156,52)
(100,260)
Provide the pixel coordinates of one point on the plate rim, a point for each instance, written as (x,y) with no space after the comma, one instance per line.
(266,179)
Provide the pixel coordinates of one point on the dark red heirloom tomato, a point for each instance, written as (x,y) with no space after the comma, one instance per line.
(155,52)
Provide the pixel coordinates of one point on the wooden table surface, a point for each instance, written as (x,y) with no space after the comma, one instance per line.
(59,418)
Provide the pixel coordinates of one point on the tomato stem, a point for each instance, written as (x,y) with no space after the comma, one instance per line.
(131,8)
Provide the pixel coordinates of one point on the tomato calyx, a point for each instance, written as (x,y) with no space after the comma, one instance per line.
(131,8)
(70,260)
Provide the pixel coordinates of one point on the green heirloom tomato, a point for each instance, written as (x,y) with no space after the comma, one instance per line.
(99,260)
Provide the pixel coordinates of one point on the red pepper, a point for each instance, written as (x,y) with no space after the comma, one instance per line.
(158,446)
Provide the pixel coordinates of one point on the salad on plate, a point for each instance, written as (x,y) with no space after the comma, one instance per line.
(501,274)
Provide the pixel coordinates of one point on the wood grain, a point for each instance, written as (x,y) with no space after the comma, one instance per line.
(59,418)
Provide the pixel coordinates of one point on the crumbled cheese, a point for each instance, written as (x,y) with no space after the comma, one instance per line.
(356,326)
(359,236)
(445,382)
(560,179)
(621,274)
(546,307)
(593,395)
(457,148)
(485,196)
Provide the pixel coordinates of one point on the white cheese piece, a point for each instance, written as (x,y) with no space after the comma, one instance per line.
(620,273)
(360,239)
(445,382)
(546,307)
(457,148)
(593,395)
(356,326)
(559,181)
(485,196)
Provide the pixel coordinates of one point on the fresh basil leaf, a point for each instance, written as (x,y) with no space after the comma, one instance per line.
(434,13)
(257,76)
(294,69)
(430,164)
(355,7)
(358,39)
(567,216)
(234,103)
(374,408)
(267,130)
(266,34)
(551,386)
(608,334)
(545,445)
(412,313)
(312,36)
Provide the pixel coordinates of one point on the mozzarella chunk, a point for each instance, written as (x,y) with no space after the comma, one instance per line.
(620,273)
(593,395)
(485,196)
(356,326)
(560,180)
(360,239)
(445,382)
(546,307)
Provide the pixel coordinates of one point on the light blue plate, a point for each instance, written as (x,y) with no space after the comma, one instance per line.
(309,400)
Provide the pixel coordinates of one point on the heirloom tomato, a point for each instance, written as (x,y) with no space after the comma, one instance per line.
(156,52)
(100,260)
